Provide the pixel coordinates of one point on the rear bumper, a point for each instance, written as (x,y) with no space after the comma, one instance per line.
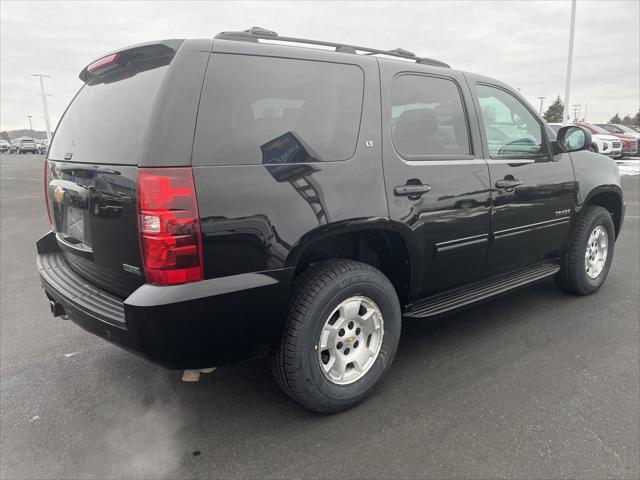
(196,325)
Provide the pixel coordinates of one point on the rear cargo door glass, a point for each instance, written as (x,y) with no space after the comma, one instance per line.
(105,122)
(264,110)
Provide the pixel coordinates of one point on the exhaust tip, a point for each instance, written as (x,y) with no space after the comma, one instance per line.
(57,310)
(194,375)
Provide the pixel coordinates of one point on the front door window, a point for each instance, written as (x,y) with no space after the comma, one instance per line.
(511,129)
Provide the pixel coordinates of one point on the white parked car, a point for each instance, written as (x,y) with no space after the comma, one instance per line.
(608,145)
(621,129)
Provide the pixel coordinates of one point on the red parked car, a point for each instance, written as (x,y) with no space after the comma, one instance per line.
(629,143)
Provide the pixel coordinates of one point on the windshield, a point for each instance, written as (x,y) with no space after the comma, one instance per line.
(624,128)
(598,129)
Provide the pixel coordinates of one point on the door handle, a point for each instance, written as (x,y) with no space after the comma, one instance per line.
(508,184)
(413,191)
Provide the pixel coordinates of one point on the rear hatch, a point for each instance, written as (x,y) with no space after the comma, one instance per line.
(91,171)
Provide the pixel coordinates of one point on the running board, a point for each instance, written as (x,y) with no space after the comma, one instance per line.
(479,291)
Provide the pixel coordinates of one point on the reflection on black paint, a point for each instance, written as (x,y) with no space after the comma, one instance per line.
(244,240)
(284,158)
(93,210)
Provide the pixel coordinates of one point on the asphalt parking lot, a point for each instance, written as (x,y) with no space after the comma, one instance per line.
(537,384)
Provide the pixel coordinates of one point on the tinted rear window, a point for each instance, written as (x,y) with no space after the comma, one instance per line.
(105,122)
(272,110)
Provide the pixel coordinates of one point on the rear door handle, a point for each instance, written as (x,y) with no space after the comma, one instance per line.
(508,184)
(414,192)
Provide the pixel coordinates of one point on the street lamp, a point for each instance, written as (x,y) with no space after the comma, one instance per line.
(567,87)
(541,102)
(45,107)
(576,112)
(31,126)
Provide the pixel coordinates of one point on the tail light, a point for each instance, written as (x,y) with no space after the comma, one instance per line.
(47,179)
(103,63)
(169,227)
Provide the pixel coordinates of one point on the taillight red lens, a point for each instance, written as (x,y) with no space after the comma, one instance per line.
(103,63)
(169,226)
(46,190)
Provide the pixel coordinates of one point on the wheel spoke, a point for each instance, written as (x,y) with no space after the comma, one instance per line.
(326,339)
(361,359)
(338,366)
(350,310)
(368,323)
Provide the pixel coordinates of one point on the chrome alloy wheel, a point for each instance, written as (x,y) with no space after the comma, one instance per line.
(596,254)
(350,340)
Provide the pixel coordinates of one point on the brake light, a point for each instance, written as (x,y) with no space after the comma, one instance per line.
(169,227)
(46,190)
(103,63)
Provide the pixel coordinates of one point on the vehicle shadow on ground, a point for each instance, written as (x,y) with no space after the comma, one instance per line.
(248,388)
(160,426)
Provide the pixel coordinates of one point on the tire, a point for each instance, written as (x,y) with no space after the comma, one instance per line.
(574,277)
(318,293)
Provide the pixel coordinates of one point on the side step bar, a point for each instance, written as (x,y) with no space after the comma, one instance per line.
(479,291)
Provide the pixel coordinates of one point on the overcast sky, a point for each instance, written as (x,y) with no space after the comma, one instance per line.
(523,43)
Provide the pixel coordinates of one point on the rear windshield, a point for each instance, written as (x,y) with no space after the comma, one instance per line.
(263,110)
(105,122)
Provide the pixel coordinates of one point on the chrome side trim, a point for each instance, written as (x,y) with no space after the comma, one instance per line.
(465,241)
(461,242)
(532,226)
(492,161)
(424,163)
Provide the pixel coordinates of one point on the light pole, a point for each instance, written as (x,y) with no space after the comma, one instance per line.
(31,126)
(576,112)
(584,117)
(44,104)
(567,88)
(541,103)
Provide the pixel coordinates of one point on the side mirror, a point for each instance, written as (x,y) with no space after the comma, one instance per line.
(572,138)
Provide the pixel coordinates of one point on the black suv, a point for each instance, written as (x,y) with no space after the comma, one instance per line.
(267,199)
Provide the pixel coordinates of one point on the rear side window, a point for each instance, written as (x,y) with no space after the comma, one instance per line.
(263,110)
(427,117)
(105,122)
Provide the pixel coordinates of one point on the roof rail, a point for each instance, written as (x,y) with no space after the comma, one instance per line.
(257,33)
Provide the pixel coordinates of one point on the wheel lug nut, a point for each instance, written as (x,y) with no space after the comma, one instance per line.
(346,351)
(341,332)
(358,331)
(339,345)
(350,325)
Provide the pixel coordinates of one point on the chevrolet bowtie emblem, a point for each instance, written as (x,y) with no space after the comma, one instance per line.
(349,339)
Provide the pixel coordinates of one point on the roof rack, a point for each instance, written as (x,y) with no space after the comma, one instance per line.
(256,33)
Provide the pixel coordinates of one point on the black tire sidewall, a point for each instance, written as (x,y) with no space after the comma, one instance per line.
(328,395)
(600,217)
